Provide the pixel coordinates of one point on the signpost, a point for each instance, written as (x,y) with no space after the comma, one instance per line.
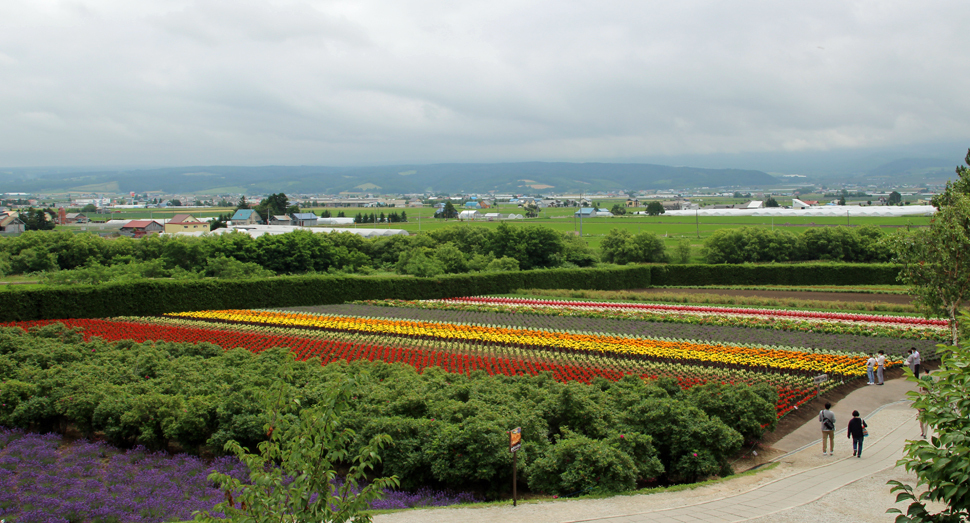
(515,443)
(819,380)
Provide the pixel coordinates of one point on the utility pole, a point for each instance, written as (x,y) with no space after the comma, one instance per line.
(697,219)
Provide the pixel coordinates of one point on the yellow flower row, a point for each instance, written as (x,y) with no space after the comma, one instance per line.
(603,344)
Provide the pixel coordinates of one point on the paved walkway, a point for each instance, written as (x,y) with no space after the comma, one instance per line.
(813,477)
(791,491)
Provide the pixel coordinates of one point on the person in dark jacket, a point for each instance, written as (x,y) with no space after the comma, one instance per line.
(855,431)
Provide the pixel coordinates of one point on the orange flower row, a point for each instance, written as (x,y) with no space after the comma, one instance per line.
(594,343)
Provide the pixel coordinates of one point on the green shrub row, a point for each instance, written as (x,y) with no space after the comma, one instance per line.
(161,296)
(448,430)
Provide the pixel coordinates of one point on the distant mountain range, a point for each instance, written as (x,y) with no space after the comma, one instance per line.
(514,178)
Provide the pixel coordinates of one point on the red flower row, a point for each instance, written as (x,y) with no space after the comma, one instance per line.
(333,350)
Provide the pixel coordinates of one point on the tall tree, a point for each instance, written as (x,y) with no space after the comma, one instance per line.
(959,186)
(943,407)
(449,211)
(275,204)
(36,220)
(771,202)
(655,208)
(936,261)
(894,198)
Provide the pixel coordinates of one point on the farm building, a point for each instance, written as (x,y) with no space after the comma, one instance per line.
(303,219)
(185,223)
(591,212)
(258,230)
(335,221)
(246,217)
(827,210)
(10,223)
(140,228)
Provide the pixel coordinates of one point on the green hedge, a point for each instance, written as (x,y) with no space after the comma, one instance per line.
(160,296)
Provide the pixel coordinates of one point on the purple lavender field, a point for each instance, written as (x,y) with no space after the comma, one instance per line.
(42,480)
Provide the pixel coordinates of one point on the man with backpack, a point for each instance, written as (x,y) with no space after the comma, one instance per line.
(828,429)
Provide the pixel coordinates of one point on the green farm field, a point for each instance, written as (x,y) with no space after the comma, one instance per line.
(671,228)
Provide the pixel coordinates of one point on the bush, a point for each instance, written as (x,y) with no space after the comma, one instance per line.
(841,244)
(622,247)
(749,411)
(448,429)
(576,464)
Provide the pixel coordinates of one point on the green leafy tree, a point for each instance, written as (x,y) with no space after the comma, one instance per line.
(959,186)
(293,477)
(502,264)
(939,463)
(220,222)
(895,198)
(622,247)
(750,245)
(771,202)
(89,208)
(655,208)
(683,251)
(448,211)
(37,220)
(936,261)
(420,261)
(533,246)
(531,209)
(451,258)
(618,209)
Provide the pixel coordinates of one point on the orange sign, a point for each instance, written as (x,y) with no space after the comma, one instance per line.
(515,439)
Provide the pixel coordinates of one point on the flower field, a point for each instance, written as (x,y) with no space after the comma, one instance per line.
(571,348)
(41,480)
(696,309)
(856,325)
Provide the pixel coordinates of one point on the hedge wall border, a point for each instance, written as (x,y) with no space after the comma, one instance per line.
(160,296)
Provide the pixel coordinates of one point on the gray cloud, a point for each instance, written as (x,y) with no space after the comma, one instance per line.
(344,82)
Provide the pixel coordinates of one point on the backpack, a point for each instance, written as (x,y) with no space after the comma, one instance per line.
(827,423)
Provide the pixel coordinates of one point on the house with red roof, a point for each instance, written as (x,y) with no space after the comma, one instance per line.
(185,223)
(139,228)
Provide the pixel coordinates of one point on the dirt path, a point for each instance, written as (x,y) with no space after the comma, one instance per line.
(801,295)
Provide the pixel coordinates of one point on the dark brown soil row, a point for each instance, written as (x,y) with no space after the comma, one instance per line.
(801,295)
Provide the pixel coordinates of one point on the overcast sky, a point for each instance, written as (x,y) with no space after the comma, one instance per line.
(245,82)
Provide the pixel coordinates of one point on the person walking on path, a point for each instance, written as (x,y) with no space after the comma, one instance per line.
(913,361)
(828,429)
(856,431)
(881,367)
(871,369)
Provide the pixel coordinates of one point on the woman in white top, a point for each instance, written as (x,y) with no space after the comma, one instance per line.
(871,369)
(881,367)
